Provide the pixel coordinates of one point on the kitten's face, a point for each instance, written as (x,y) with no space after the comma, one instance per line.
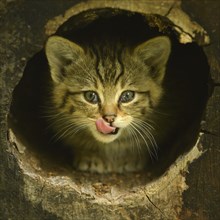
(106,92)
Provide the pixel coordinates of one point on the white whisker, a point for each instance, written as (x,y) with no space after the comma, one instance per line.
(143,130)
(147,124)
(67,131)
(149,136)
(136,140)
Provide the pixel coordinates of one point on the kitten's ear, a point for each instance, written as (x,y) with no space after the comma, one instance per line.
(155,54)
(61,52)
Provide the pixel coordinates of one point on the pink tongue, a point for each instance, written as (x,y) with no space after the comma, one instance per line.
(103,126)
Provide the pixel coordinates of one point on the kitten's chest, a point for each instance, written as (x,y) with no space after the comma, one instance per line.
(108,158)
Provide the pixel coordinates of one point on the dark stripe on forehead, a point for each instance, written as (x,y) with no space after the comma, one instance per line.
(114,59)
(97,55)
(121,65)
(95,83)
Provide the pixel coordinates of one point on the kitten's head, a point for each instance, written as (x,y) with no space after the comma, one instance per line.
(105,90)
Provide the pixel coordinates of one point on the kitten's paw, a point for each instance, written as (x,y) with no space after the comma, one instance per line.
(92,164)
(132,167)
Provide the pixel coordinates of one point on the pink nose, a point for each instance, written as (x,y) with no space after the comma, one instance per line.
(109,118)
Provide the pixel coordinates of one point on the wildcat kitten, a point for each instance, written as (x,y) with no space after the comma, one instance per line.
(103,98)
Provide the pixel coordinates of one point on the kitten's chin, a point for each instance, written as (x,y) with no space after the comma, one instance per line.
(106,138)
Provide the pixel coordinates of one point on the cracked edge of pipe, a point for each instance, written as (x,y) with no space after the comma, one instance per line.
(187,29)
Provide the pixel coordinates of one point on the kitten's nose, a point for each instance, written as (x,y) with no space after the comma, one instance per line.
(109,118)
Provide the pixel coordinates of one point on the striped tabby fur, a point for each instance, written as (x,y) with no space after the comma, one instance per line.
(108,69)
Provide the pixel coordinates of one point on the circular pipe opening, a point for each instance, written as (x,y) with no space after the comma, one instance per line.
(176,118)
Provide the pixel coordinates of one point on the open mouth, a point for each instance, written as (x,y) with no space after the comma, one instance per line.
(106,128)
(115,131)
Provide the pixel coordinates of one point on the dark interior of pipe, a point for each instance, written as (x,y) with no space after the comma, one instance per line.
(185,83)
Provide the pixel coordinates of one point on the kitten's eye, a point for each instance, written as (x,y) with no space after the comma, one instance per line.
(91,97)
(126,96)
